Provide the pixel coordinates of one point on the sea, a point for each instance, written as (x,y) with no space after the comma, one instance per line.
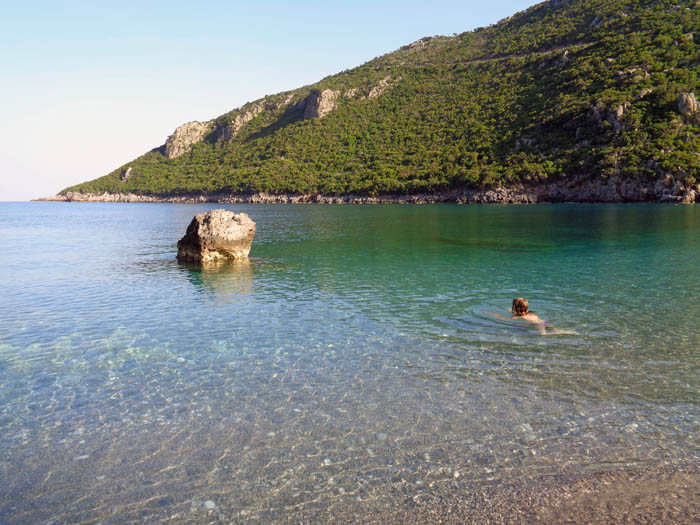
(361,356)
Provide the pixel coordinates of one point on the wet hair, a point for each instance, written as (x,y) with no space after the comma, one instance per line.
(520,306)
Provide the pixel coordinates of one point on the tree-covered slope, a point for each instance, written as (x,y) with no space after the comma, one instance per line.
(566,88)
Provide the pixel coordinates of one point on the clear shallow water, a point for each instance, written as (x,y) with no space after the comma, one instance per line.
(351,361)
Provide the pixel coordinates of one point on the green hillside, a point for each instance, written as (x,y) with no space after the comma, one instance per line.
(566,88)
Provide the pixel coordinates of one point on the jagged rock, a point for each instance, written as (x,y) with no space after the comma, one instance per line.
(644,92)
(243,116)
(613,114)
(689,107)
(216,235)
(182,139)
(418,43)
(240,120)
(380,88)
(634,75)
(320,103)
(126,174)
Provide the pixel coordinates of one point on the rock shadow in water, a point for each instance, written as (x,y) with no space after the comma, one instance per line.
(227,281)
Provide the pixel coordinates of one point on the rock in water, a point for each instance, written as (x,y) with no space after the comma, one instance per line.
(216,235)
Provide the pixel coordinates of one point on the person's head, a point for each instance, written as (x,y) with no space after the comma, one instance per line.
(520,306)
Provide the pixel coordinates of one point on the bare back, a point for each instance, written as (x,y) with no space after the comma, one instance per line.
(530,317)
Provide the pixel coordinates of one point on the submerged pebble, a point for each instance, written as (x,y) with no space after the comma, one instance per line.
(328,401)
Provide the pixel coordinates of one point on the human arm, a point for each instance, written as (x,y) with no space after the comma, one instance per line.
(498,316)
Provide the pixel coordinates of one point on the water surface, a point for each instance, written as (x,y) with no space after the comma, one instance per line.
(352,360)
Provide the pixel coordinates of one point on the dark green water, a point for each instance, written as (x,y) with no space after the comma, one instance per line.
(353,358)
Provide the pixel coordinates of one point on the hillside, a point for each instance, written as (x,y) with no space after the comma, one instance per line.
(569,90)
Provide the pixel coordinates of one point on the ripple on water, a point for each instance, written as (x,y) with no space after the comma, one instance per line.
(353,356)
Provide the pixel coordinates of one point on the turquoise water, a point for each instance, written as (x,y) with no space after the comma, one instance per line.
(351,361)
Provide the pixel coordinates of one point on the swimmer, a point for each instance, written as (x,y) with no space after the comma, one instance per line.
(521,310)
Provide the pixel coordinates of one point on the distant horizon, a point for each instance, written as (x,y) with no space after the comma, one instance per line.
(89,87)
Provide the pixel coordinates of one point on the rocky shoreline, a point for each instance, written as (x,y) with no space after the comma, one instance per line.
(612,189)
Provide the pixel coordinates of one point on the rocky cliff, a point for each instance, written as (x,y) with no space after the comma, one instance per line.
(184,136)
(319,103)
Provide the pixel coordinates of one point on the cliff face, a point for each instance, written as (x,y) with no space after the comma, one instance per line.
(184,136)
(319,103)
(594,90)
(315,105)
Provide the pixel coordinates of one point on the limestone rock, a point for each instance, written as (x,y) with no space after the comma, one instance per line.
(643,93)
(230,130)
(216,235)
(182,139)
(613,114)
(320,103)
(418,43)
(243,117)
(126,174)
(689,107)
(380,88)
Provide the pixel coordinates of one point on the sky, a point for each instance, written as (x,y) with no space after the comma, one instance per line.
(88,86)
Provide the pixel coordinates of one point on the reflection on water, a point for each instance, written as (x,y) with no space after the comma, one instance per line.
(227,280)
(351,361)
(495,244)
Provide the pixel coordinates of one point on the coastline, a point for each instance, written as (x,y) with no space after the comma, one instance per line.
(612,189)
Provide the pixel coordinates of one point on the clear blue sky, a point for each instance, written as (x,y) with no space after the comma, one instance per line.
(87,86)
